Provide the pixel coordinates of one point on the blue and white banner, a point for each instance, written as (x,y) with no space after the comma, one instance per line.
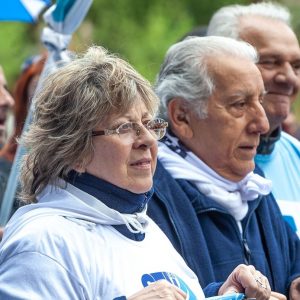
(22,10)
(66,15)
(62,19)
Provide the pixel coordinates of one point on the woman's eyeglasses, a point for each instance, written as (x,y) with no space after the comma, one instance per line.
(129,131)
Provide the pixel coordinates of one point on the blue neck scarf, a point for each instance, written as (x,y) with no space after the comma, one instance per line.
(112,196)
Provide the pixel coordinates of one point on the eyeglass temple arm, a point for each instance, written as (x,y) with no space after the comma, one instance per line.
(103,132)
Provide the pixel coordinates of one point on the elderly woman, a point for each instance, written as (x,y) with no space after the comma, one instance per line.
(216,211)
(88,175)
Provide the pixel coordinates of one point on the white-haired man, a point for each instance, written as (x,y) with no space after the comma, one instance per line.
(216,211)
(267,26)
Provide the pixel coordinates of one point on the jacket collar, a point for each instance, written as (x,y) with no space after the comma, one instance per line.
(202,204)
(267,143)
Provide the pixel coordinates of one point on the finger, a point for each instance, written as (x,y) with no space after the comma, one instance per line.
(294,293)
(267,284)
(230,291)
(277,296)
(161,289)
(264,289)
(258,287)
(164,290)
(261,280)
(180,296)
(251,269)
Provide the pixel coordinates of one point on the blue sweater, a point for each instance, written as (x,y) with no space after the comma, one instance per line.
(209,240)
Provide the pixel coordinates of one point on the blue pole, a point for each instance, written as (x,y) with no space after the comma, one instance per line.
(13,180)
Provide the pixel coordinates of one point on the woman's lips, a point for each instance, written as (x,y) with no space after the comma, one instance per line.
(143,163)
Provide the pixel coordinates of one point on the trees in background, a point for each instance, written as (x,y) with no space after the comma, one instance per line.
(139,30)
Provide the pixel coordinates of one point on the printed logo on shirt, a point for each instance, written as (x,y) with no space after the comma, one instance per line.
(172,278)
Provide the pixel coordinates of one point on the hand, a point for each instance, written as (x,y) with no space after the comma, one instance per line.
(295,289)
(161,289)
(277,296)
(247,280)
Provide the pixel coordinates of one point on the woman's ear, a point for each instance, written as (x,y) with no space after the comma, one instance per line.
(79,168)
(179,113)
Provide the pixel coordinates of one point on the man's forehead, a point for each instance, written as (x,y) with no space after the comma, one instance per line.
(237,77)
(229,67)
(253,27)
(269,37)
(257,21)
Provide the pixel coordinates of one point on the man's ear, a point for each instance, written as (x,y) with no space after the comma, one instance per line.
(179,113)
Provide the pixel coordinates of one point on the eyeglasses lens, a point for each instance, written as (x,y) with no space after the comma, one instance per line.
(129,131)
(157,127)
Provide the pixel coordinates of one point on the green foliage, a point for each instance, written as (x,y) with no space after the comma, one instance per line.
(141,33)
(139,30)
(17,43)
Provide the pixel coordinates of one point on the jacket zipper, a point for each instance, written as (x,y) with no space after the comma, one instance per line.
(242,239)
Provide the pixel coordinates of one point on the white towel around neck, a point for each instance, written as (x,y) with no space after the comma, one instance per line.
(233,196)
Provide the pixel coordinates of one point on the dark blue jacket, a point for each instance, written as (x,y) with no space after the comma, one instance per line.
(209,239)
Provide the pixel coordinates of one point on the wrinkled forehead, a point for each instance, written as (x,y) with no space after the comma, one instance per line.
(263,32)
(226,65)
(235,75)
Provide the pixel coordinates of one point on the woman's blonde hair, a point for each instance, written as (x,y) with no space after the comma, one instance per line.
(71,103)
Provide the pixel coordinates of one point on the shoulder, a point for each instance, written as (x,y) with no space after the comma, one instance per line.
(170,189)
(287,137)
(289,141)
(35,258)
(161,173)
(164,183)
(51,236)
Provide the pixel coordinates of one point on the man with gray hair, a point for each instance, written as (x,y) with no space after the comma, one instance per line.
(267,26)
(215,210)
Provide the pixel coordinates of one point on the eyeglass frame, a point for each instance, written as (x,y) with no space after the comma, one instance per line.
(137,131)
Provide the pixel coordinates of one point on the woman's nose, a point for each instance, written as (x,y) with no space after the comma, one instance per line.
(145,137)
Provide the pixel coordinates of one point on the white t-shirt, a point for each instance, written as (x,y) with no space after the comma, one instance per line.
(62,248)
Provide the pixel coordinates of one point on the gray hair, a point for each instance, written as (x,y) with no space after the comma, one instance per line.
(225,22)
(71,103)
(185,72)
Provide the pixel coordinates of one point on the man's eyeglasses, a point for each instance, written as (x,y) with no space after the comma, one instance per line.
(129,131)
